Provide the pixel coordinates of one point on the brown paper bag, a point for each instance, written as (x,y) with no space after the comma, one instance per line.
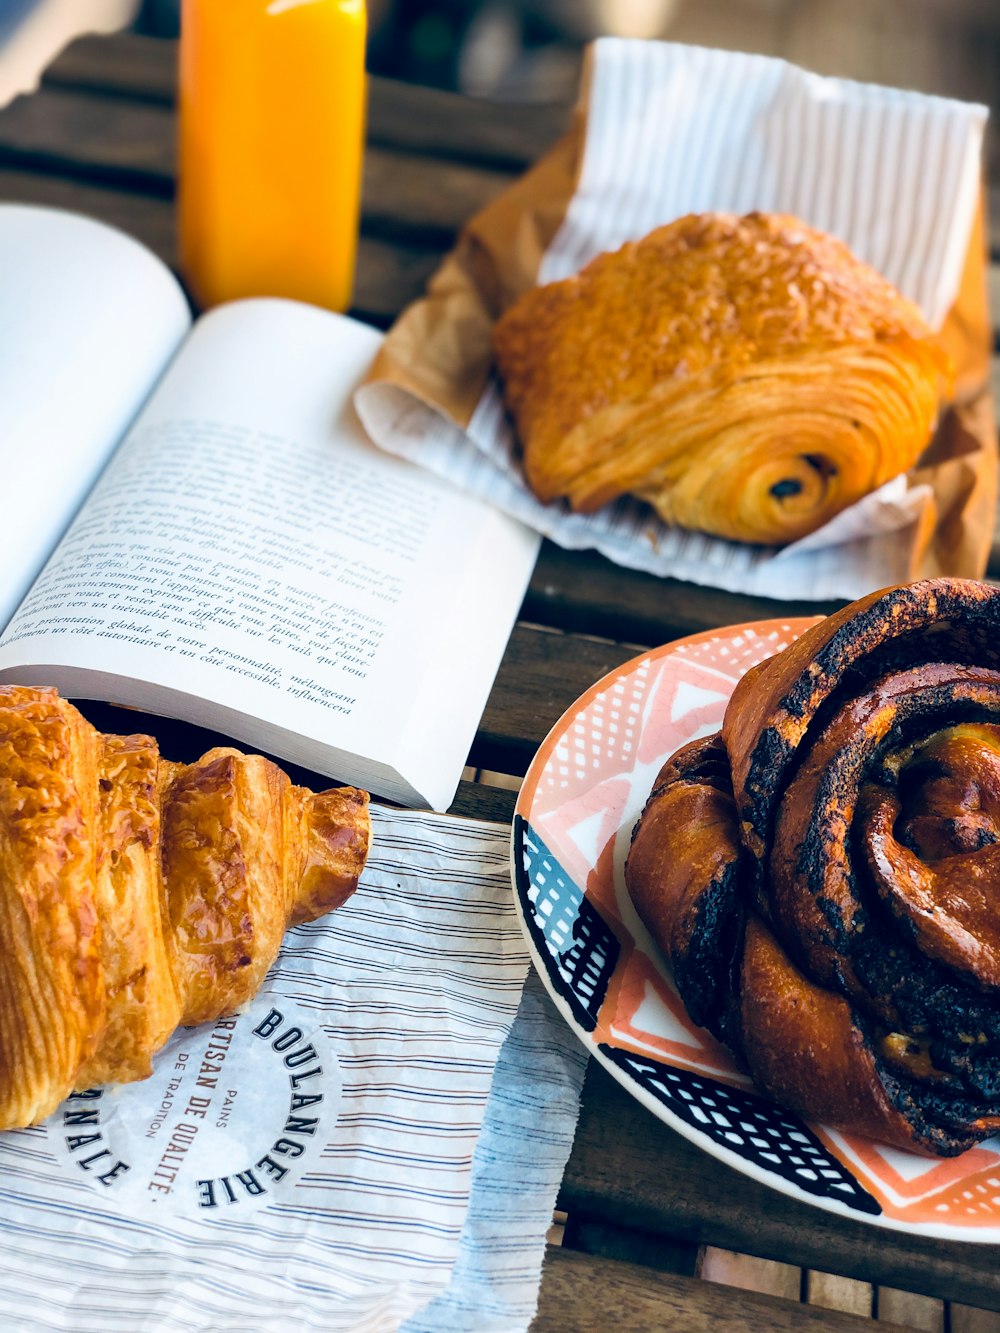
(439,351)
(439,348)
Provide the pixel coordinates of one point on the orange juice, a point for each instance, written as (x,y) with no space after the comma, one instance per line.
(271,133)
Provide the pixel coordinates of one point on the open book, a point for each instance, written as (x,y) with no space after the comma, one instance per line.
(193,523)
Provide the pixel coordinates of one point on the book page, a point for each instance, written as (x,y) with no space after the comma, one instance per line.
(88,321)
(254,559)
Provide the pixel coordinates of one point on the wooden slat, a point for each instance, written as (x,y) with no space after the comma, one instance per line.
(582,591)
(440,124)
(149,221)
(541,675)
(490,778)
(476,801)
(627,1167)
(133,144)
(833,1292)
(136,67)
(966,1319)
(422,120)
(589,1295)
(388,274)
(906,1307)
(748,1272)
(421,198)
(105,137)
(664,1253)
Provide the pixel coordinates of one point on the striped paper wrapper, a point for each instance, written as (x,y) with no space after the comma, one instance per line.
(307,1163)
(671,130)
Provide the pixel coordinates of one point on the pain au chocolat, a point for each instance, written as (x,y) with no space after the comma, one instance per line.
(138,894)
(747,376)
(824,873)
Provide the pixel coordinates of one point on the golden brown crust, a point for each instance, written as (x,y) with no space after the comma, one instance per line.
(136,894)
(683,871)
(774,704)
(335,846)
(746,376)
(138,955)
(804,1048)
(861,836)
(223,863)
(51,997)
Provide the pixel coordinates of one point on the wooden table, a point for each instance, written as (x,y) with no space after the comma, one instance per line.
(641,1202)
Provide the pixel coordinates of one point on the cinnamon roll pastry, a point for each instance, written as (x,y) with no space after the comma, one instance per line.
(823,874)
(138,894)
(747,376)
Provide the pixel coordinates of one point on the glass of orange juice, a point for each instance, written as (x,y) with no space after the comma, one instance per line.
(272,99)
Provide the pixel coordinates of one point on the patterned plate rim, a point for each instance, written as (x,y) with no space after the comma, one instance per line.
(544,965)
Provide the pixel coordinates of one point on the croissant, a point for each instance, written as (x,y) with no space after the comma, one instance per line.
(138,894)
(823,873)
(747,376)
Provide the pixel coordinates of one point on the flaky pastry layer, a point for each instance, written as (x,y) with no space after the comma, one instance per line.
(748,377)
(138,894)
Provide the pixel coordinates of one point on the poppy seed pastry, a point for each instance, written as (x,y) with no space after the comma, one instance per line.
(823,873)
(747,376)
(138,894)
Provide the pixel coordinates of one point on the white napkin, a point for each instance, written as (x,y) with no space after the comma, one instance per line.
(520,1158)
(675,129)
(309,1164)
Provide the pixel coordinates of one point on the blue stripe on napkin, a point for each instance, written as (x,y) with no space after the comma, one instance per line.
(519,1160)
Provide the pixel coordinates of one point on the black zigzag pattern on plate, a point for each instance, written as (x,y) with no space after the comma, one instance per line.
(774,1140)
(564,925)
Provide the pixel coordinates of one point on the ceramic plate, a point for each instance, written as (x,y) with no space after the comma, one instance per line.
(575,813)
